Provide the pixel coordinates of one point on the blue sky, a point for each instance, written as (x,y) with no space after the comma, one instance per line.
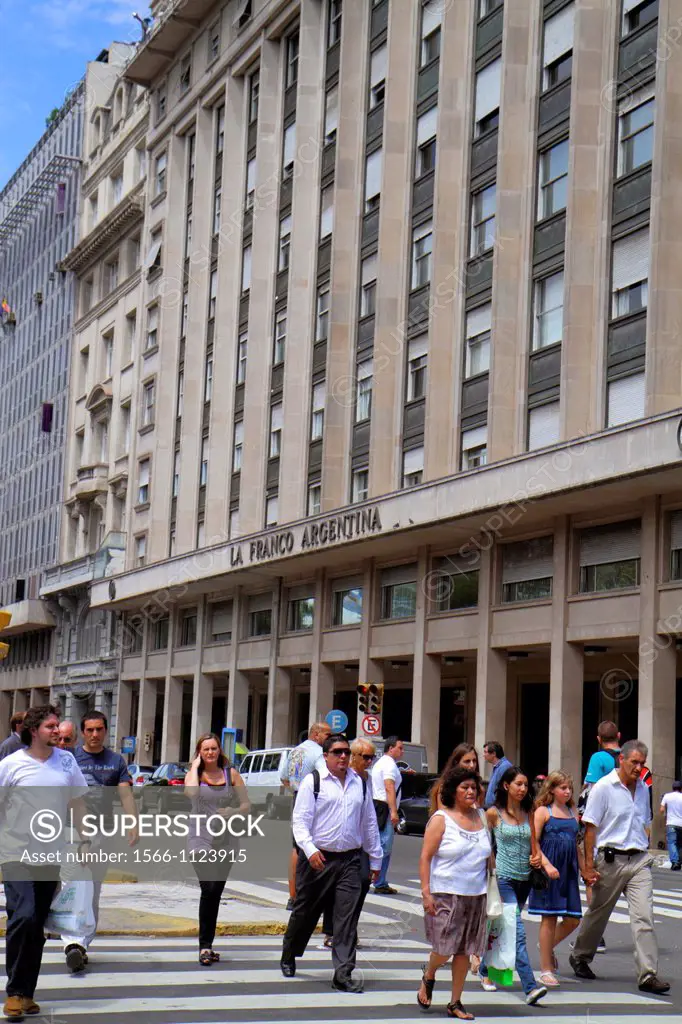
(45,46)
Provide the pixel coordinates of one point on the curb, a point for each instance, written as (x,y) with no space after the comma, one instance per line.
(192,931)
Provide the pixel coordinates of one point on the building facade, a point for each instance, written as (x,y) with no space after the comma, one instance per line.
(38,226)
(105,266)
(414,415)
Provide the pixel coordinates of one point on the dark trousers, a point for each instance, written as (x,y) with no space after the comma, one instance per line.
(337,885)
(328,916)
(212,887)
(28,902)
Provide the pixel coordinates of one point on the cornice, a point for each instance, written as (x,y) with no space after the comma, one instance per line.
(126,213)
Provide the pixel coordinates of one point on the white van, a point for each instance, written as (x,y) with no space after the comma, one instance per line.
(414,755)
(261,771)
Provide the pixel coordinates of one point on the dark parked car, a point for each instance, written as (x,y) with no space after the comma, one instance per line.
(413,812)
(165,789)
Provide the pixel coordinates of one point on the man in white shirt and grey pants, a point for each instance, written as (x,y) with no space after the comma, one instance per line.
(616,817)
(333,820)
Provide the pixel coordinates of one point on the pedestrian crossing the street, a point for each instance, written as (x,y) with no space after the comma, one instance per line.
(158,981)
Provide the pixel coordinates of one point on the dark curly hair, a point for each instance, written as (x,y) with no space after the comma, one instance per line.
(454,778)
(35,717)
(501,794)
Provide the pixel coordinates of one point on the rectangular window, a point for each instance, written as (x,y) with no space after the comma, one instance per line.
(237,446)
(630,273)
(636,135)
(335,19)
(454,583)
(378,63)
(246,269)
(185,73)
(626,399)
(399,592)
(474,447)
(280,341)
(284,243)
(184,322)
(326,212)
(426,142)
(217,206)
(140,550)
(322,316)
(557,48)
(250,183)
(112,275)
(553,180)
(548,320)
(153,261)
(478,324)
(314,499)
(212,294)
(432,14)
(188,236)
(241,357)
(214,42)
(220,630)
(331,115)
(676,546)
(637,13)
(360,485)
(181,394)
(610,557)
(363,399)
(417,350)
(108,354)
(124,432)
(347,607)
(103,439)
(271,511)
(487,7)
(176,474)
(368,283)
(292,59)
(301,614)
(373,172)
(413,467)
(544,425)
(527,569)
(422,249)
(317,416)
(143,482)
(203,471)
(260,622)
(117,188)
(487,103)
(483,207)
(288,150)
(148,403)
(160,633)
(161,100)
(160,168)
(220,130)
(275,430)
(188,628)
(254,94)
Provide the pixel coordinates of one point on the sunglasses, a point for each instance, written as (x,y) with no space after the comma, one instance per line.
(366,757)
(340,752)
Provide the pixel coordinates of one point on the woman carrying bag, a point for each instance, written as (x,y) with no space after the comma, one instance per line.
(453,871)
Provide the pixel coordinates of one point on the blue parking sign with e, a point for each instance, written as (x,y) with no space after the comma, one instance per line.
(337,721)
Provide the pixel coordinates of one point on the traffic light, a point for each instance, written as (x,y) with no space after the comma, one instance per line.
(370,698)
(5,619)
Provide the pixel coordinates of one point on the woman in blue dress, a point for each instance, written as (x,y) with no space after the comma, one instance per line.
(556,828)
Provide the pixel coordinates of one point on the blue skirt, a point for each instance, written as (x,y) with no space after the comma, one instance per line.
(562,896)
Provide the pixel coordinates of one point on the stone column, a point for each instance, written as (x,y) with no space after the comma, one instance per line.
(172,718)
(321,675)
(427,674)
(238,700)
(657,668)
(566,668)
(146,716)
(6,702)
(491,665)
(278,719)
(124,702)
(202,705)
(21,700)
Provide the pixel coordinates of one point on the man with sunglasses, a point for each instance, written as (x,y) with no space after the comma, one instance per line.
(333,821)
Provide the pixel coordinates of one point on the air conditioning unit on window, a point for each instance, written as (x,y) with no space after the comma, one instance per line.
(39,298)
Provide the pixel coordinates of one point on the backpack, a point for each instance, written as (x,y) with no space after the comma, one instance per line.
(316,786)
(582,799)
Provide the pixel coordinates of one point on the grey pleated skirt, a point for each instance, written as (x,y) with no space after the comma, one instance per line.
(458,927)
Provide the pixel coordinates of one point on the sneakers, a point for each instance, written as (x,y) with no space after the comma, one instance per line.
(76,958)
(581,969)
(601,945)
(675,867)
(654,985)
(385,890)
(30,1006)
(290,904)
(486,984)
(535,995)
(14,1008)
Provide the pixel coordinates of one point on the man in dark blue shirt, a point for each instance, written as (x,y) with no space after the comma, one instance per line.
(100,766)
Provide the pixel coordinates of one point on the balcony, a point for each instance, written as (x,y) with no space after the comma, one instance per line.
(27,616)
(174,23)
(107,561)
(92,480)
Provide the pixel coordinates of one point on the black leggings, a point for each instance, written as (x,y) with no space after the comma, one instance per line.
(209,905)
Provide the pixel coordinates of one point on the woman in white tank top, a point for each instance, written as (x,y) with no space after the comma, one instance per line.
(453,870)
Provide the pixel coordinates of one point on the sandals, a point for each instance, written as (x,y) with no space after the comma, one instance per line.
(428,984)
(549,979)
(208,957)
(457,1010)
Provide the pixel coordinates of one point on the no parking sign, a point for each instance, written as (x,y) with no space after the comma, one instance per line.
(371,725)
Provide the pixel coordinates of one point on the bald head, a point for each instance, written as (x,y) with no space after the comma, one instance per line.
(67,735)
(319,731)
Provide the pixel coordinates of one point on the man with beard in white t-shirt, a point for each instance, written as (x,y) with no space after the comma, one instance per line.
(38,784)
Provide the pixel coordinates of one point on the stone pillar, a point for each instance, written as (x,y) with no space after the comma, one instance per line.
(321,675)
(491,665)
(172,718)
(566,669)
(202,704)
(146,715)
(21,701)
(277,726)
(124,705)
(657,669)
(426,674)
(36,696)
(6,702)
(238,701)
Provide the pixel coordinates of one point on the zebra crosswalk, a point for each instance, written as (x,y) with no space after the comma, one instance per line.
(159,981)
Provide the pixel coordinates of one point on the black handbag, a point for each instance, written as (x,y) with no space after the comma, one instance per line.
(539,879)
(381,807)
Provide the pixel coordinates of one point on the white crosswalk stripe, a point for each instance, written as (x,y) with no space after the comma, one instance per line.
(158,981)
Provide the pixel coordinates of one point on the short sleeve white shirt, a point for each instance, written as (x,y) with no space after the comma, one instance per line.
(384,769)
(620,819)
(673,809)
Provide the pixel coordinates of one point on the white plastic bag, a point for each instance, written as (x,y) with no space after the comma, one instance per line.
(71,911)
(494,904)
(501,955)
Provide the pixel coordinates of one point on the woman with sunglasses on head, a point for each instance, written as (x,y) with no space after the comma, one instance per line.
(515,853)
(453,871)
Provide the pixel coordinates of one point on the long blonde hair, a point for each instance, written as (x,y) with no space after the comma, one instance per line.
(546,795)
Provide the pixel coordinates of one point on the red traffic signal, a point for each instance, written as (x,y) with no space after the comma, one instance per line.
(370,698)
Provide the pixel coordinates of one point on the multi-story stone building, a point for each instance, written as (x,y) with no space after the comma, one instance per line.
(38,226)
(106,265)
(414,416)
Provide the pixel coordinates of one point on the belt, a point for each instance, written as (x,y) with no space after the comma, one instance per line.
(340,853)
(621,853)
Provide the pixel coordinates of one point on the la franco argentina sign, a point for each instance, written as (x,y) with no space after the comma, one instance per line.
(335,529)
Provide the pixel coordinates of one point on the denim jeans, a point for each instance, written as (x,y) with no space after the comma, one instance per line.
(513,891)
(386,839)
(673,834)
